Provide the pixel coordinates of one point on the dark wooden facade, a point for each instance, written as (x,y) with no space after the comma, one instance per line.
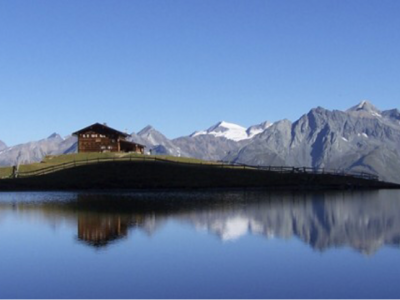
(101,138)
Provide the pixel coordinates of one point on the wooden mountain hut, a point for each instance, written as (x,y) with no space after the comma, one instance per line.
(101,138)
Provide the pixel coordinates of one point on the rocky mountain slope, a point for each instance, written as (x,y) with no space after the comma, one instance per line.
(35,151)
(156,142)
(359,139)
(2,145)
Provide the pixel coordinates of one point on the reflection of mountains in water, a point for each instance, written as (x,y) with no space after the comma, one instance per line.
(364,221)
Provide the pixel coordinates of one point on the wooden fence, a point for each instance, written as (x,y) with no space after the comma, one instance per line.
(278,169)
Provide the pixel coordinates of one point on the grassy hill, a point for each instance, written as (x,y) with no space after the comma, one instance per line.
(56,160)
(130,171)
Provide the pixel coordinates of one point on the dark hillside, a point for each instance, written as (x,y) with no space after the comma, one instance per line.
(166,175)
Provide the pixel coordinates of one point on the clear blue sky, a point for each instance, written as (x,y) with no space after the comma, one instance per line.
(183,65)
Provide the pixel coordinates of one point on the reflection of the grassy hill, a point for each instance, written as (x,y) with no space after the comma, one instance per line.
(364,220)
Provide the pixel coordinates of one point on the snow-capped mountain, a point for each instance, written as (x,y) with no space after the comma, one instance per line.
(365,108)
(224,129)
(232,131)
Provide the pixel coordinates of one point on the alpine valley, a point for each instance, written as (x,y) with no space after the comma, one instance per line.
(362,138)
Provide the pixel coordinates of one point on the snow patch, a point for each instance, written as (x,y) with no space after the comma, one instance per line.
(366,107)
(232,228)
(227,130)
(361,104)
(375,114)
(232,131)
(254,130)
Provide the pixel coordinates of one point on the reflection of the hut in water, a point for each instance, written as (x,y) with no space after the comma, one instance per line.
(98,230)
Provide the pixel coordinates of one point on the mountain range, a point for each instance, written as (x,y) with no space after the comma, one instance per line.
(362,138)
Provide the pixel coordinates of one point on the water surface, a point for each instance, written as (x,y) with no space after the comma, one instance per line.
(200,245)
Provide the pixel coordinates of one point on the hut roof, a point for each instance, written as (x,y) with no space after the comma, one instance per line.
(98,126)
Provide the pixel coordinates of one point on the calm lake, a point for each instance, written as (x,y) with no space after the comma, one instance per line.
(200,245)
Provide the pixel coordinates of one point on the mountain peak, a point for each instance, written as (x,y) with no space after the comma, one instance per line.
(224,129)
(233,131)
(364,105)
(226,125)
(146,130)
(54,136)
(256,129)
